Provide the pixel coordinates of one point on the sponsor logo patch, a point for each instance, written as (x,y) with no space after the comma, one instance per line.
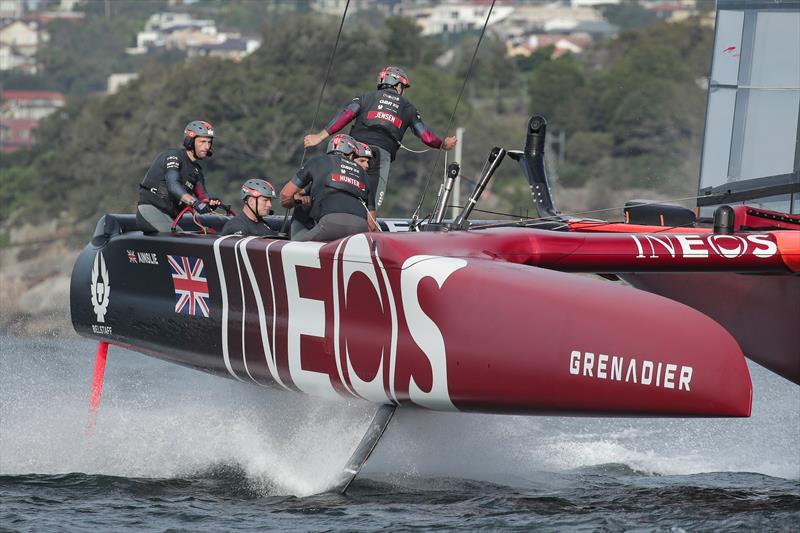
(387,117)
(101,288)
(341,178)
(629,370)
(146,258)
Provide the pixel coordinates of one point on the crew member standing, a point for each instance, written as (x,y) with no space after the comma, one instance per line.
(175,179)
(257,195)
(381,119)
(339,196)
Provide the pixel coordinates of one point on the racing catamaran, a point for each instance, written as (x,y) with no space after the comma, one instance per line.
(494,317)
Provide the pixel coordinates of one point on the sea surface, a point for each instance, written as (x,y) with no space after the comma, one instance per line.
(177,450)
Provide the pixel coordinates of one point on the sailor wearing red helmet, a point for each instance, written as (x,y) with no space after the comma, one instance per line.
(381,119)
(257,195)
(175,179)
(339,193)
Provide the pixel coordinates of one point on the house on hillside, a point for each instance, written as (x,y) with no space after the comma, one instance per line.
(19,42)
(453,16)
(195,37)
(117,80)
(562,44)
(20,113)
(672,11)
(336,7)
(160,27)
(11,9)
(549,18)
(233,48)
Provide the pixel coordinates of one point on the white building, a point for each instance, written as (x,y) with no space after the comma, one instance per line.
(454,17)
(33,105)
(195,37)
(336,7)
(115,81)
(26,37)
(530,19)
(160,28)
(593,3)
(19,42)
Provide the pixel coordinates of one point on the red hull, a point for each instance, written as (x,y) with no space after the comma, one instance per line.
(378,317)
(761,312)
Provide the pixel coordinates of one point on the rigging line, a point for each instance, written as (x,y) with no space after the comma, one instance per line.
(319,102)
(452,116)
(327,74)
(512,215)
(404,147)
(645,204)
(561,216)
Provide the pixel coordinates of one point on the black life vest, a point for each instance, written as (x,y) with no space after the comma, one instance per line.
(153,189)
(383,113)
(341,188)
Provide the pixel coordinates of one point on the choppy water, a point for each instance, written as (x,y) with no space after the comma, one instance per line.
(175,449)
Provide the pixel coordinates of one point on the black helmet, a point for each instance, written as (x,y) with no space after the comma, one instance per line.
(196,128)
(256,188)
(391,76)
(346,145)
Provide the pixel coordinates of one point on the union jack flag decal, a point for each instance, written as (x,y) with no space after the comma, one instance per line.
(191,285)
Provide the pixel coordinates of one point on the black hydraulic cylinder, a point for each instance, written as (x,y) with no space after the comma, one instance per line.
(495,158)
(531,161)
(444,192)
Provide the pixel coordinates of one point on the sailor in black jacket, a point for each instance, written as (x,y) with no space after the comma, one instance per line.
(175,179)
(339,193)
(381,119)
(257,195)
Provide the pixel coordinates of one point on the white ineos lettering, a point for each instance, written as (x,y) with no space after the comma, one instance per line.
(701,247)
(306,317)
(764,246)
(269,354)
(354,258)
(319,358)
(692,246)
(424,330)
(224,290)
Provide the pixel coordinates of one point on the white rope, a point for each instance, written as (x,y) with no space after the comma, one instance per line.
(414,151)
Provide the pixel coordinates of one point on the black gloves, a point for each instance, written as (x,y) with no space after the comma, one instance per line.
(201,207)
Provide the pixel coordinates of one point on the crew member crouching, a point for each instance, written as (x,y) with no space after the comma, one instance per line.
(339,190)
(175,179)
(257,195)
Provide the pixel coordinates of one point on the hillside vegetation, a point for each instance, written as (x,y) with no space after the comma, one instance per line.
(632,109)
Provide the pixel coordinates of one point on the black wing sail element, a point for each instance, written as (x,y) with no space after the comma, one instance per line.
(751,150)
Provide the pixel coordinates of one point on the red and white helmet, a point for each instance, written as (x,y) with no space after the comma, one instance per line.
(256,188)
(391,76)
(196,128)
(346,145)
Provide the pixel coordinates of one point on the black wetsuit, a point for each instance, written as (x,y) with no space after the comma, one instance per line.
(241,225)
(339,191)
(338,185)
(381,120)
(171,175)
